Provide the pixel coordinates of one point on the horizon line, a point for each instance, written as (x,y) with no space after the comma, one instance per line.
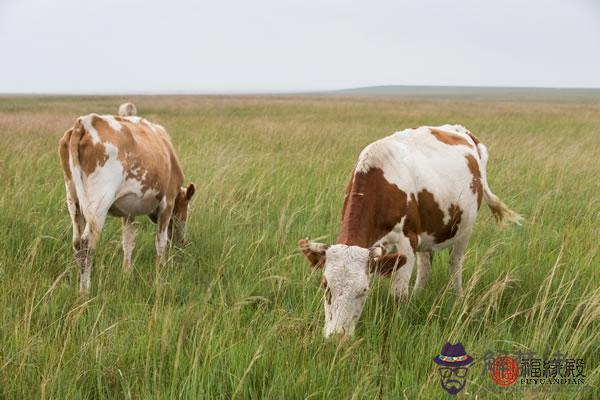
(226,92)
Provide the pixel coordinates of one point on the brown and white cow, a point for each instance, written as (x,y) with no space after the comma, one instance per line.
(416,191)
(123,166)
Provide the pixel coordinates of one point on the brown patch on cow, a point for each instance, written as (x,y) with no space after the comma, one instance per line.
(147,165)
(476,141)
(388,263)
(372,208)
(475,185)
(412,223)
(91,156)
(449,138)
(432,217)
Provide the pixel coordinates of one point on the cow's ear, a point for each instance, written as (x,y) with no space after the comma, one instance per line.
(385,263)
(189,191)
(376,252)
(314,252)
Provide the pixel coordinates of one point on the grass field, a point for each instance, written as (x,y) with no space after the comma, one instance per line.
(238,313)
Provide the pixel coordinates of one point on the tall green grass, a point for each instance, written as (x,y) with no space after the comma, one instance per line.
(237,313)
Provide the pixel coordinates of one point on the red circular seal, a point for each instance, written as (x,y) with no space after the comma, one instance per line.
(504,371)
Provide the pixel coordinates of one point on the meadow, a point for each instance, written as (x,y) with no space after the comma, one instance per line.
(237,312)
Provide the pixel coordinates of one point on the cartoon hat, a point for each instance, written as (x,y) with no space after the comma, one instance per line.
(453,355)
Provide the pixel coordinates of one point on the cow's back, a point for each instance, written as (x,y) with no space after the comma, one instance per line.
(149,149)
(433,167)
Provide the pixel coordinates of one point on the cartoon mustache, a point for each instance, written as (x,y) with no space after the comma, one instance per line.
(453,382)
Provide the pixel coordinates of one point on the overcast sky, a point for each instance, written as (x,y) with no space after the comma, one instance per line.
(126,46)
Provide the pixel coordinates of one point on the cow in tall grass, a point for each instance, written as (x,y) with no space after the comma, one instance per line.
(123,166)
(416,191)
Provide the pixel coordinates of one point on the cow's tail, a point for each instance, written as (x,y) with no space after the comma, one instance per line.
(74,165)
(502,214)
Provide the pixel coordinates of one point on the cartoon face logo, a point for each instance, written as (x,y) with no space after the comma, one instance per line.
(452,365)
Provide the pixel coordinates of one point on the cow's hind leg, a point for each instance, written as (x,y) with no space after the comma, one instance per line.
(128,242)
(77,221)
(91,234)
(457,253)
(402,278)
(424,260)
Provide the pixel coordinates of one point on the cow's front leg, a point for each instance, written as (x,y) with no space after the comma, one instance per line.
(402,276)
(128,242)
(424,260)
(162,229)
(457,253)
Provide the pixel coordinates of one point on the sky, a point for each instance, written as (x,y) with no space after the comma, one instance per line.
(227,46)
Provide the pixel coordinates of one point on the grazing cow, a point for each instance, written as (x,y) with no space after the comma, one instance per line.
(123,166)
(127,110)
(417,190)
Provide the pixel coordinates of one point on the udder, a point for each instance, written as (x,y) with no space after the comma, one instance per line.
(134,204)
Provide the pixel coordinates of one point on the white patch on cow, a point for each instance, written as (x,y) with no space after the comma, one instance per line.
(102,184)
(77,179)
(111,150)
(133,119)
(112,122)
(86,120)
(346,272)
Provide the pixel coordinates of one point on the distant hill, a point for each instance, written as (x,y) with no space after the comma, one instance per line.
(401,90)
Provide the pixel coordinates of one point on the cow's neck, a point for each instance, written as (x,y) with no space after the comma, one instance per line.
(372,207)
(358,222)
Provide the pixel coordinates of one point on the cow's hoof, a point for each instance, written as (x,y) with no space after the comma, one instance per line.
(401,298)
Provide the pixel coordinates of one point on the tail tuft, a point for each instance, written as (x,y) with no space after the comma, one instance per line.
(502,214)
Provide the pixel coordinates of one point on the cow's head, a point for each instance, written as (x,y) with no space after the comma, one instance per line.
(180,213)
(345,280)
